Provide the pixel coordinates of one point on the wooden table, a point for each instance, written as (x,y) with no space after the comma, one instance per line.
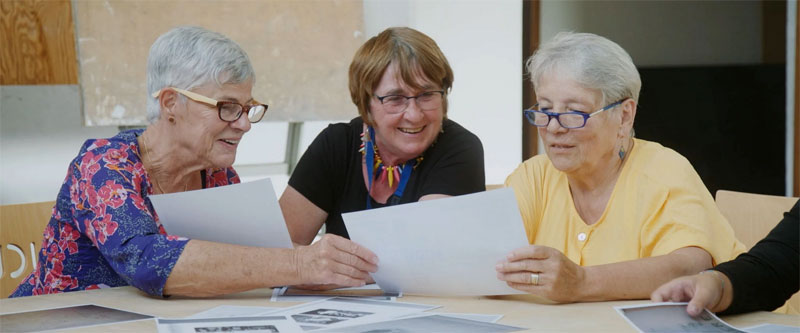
(524,311)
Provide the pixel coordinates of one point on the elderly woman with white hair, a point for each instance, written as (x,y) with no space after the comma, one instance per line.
(610,216)
(104,231)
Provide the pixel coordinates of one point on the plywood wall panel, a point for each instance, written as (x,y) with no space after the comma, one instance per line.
(38,43)
(300,51)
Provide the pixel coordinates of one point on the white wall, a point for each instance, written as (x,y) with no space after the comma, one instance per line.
(41,126)
(482,42)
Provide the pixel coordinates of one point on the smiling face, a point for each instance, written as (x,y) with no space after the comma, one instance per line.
(405,135)
(200,131)
(580,150)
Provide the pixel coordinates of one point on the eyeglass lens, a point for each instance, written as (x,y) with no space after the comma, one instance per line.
(426,101)
(568,120)
(232,112)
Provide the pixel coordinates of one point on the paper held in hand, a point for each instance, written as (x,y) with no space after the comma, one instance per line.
(244,214)
(446,246)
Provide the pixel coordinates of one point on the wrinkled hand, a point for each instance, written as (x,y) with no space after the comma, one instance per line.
(334,261)
(560,279)
(703,291)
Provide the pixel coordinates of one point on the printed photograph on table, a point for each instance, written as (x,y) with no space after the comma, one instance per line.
(338,313)
(672,317)
(319,320)
(267,324)
(341,312)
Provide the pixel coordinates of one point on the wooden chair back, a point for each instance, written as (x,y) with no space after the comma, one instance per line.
(21,228)
(752,217)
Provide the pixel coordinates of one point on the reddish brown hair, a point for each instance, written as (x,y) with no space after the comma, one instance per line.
(411,51)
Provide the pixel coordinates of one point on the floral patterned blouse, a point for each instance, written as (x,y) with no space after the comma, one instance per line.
(104,232)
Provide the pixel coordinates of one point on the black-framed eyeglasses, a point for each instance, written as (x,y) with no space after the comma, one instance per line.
(428,100)
(570,119)
(227,110)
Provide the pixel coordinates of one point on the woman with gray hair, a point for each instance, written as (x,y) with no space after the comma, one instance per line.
(609,216)
(104,231)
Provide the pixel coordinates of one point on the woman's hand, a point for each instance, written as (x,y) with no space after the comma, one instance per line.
(559,279)
(703,291)
(335,261)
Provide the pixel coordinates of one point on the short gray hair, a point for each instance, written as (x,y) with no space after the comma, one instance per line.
(187,57)
(594,61)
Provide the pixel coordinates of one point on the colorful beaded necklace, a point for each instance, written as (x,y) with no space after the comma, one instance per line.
(384,172)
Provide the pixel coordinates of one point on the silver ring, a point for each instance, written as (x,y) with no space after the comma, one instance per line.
(534,278)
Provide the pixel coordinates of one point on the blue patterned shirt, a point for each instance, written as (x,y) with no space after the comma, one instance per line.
(104,231)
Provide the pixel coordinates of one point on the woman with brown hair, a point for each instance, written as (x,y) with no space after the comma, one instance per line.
(401,148)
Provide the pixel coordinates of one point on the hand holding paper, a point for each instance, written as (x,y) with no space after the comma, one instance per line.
(336,261)
(555,275)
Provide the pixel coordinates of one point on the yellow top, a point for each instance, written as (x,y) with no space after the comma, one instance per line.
(658,205)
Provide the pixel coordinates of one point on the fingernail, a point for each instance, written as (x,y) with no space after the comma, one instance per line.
(691,309)
(498,267)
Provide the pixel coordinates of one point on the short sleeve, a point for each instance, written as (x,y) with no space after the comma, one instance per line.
(457,166)
(766,276)
(110,209)
(319,170)
(685,215)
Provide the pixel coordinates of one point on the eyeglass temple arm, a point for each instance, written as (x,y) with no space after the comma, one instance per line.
(192,95)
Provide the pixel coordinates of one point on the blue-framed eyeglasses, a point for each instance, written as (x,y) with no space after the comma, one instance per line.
(428,100)
(570,119)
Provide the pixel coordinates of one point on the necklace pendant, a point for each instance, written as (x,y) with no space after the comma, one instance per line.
(390,171)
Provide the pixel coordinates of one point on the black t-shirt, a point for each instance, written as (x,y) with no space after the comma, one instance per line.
(766,276)
(330,174)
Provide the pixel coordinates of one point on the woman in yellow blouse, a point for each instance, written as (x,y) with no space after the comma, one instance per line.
(610,216)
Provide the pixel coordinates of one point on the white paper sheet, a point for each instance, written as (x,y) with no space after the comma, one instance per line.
(429,323)
(446,246)
(672,317)
(224,311)
(244,214)
(266,324)
(341,312)
(290,294)
(486,318)
(772,328)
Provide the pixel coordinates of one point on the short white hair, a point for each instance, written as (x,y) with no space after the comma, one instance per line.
(594,61)
(188,57)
